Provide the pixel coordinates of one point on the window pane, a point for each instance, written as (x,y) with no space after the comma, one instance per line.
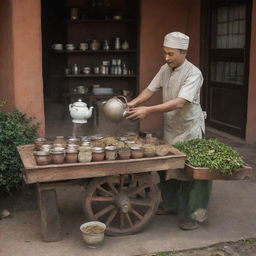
(230,27)
(227,72)
(222,14)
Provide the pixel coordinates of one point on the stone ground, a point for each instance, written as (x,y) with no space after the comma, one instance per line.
(229,231)
(246,247)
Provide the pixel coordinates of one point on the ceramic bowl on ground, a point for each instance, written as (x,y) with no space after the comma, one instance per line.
(93,233)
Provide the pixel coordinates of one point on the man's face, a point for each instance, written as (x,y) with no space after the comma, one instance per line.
(174,57)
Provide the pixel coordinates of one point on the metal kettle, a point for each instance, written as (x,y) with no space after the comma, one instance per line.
(115,108)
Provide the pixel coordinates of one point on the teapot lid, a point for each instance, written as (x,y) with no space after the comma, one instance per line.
(79,103)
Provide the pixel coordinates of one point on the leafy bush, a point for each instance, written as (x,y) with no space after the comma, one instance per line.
(15,129)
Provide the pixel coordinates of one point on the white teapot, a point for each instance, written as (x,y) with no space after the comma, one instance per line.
(80,112)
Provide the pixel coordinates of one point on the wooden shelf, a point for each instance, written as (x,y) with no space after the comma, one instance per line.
(98,51)
(101,21)
(100,76)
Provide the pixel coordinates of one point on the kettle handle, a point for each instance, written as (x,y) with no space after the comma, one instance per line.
(122,97)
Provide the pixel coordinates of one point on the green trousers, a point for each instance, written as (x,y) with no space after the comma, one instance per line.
(189,197)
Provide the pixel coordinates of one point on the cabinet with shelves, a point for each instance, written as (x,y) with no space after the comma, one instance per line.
(100,23)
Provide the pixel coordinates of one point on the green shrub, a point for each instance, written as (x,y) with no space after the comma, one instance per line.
(15,129)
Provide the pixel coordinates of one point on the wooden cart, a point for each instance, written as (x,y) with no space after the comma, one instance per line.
(124,194)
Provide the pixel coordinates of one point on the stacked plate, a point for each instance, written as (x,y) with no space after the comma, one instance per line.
(102,91)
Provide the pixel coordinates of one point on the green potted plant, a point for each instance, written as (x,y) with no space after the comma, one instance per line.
(212,159)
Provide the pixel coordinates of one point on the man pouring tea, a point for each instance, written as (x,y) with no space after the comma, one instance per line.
(180,82)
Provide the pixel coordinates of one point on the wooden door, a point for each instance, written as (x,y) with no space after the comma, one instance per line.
(225,63)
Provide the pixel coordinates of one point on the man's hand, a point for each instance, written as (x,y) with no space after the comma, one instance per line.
(137,113)
(131,104)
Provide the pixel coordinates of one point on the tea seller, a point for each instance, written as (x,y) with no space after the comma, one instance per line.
(180,82)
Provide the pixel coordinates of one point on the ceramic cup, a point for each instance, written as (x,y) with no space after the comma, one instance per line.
(86,70)
(83,46)
(57,47)
(70,47)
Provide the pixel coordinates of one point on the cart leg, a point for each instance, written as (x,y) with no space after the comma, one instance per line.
(50,218)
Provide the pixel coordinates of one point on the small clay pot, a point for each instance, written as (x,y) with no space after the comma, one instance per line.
(58,155)
(98,154)
(124,154)
(42,157)
(149,150)
(86,143)
(111,153)
(46,147)
(85,154)
(122,138)
(73,140)
(60,140)
(73,146)
(162,150)
(71,155)
(130,143)
(39,142)
(59,145)
(137,152)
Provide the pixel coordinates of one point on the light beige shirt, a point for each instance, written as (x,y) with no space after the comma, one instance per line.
(183,82)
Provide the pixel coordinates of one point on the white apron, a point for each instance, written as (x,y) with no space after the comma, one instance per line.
(184,82)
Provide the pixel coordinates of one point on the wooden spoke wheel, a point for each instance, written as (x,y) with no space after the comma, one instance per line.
(125,203)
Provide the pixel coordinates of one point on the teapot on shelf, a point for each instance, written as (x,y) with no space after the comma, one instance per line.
(80,112)
(115,108)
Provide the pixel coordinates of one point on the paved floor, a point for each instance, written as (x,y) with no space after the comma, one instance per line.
(232,212)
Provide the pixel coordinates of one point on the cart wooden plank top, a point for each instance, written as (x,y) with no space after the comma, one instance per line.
(34,173)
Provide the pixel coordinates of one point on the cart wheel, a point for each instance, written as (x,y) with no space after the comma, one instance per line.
(125,203)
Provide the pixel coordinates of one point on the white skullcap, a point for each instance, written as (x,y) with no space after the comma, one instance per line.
(176,40)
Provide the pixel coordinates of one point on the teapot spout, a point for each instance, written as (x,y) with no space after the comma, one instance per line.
(90,111)
(70,107)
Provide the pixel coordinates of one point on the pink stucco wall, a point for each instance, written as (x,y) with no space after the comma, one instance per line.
(21,67)
(157,19)
(251,105)
(28,58)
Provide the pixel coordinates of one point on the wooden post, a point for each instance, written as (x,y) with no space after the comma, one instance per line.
(50,218)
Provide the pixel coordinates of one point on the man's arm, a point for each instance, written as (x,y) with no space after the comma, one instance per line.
(142,112)
(142,97)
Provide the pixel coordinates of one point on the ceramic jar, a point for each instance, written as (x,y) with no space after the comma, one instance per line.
(46,147)
(42,157)
(125,45)
(86,143)
(95,45)
(149,150)
(73,140)
(150,139)
(129,143)
(74,13)
(136,152)
(39,142)
(85,154)
(98,154)
(124,153)
(71,155)
(60,140)
(111,153)
(58,156)
(162,150)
